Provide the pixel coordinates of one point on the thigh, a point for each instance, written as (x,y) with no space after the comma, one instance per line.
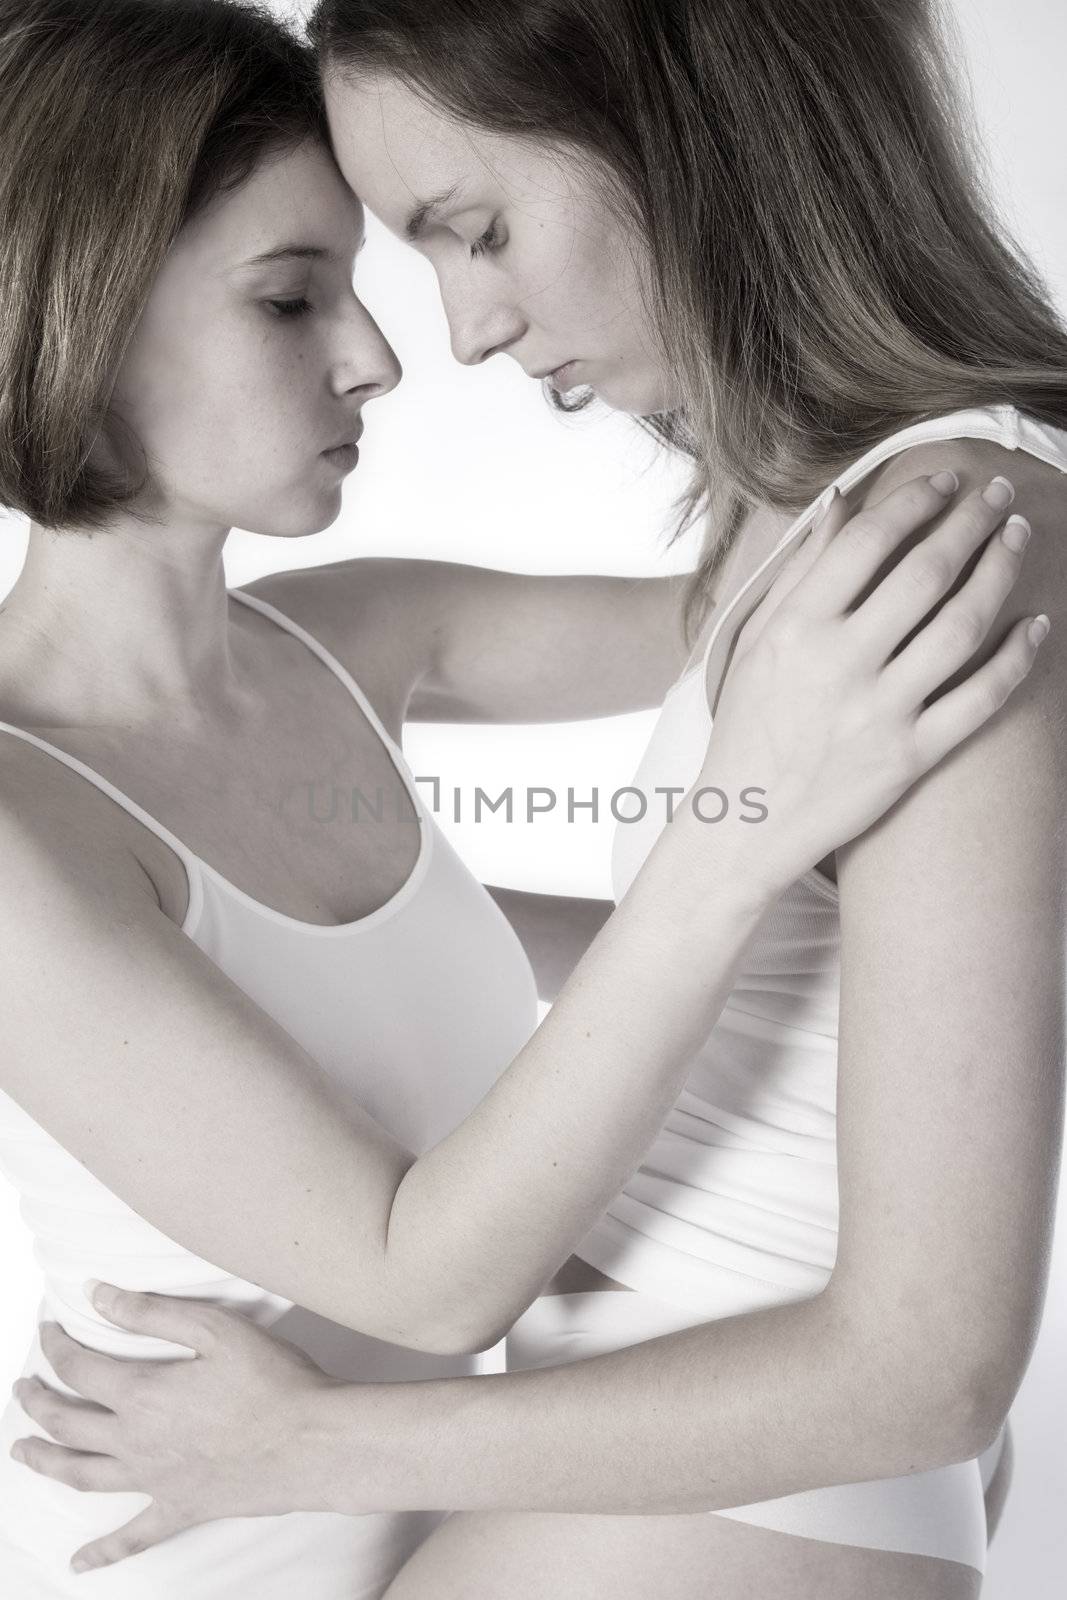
(701,1556)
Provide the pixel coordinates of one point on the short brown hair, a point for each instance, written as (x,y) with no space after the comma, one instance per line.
(119,120)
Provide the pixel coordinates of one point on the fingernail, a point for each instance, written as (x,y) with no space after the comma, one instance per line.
(16,1452)
(91,1285)
(1016,533)
(945,482)
(1038,629)
(79,1564)
(998,493)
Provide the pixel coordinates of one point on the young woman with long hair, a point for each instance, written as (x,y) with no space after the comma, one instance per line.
(750,223)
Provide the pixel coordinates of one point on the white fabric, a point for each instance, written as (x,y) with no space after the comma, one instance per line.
(415,1009)
(734,1206)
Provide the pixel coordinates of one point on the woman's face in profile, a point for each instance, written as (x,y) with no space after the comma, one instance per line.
(242,372)
(530,258)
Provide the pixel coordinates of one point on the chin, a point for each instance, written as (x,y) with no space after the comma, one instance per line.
(637,398)
(301,524)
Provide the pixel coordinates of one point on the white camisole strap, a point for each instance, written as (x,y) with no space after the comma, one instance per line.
(998,424)
(193,863)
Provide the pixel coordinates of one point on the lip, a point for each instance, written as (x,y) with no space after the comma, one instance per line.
(345,456)
(345,453)
(559,377)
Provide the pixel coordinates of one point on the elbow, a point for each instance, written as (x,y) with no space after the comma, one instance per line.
(923,1404)
(468,1344)
(980,1378)
(954,1416)
(466,1337)
(448,1341)
(980,1404)
(432,1333)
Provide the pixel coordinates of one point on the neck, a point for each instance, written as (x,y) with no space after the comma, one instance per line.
(127,625)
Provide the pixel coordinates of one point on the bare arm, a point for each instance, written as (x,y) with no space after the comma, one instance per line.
(481,645)
(950,1116)
(127,1043)
(950,1119)
(907,1360)
(555,931)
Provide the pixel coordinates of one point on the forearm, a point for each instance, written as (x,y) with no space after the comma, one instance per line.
(555,931)
(724,1414)
(480,1222)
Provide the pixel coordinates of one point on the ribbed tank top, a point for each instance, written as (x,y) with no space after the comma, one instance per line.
(415,1010)
(735,1204)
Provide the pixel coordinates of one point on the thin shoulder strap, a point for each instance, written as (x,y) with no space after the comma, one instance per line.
(189,859)
(328,660)
(999,424)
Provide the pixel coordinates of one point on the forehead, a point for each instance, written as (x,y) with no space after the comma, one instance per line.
(397,150)
(298,193)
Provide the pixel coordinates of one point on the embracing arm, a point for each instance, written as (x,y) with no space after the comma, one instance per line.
(159,1074)
(481,645)
(949,1112)
(950,1116)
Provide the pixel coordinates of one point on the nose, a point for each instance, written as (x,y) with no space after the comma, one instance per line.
(479,329)
(368,361)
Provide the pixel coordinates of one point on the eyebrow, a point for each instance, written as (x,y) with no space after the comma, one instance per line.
(426,211)
(293,252)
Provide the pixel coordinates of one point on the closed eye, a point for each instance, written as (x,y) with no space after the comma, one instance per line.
(290,308)
(490,240)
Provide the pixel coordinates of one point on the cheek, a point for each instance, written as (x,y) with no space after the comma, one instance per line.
(589,287)
(223,417)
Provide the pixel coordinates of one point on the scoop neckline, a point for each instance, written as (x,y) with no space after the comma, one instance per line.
(406,889)
(195,865)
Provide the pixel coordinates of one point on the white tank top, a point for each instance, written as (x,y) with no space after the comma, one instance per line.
(415,1009)
(734,1206)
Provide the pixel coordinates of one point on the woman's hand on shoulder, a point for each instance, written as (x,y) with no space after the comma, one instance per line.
(828,706)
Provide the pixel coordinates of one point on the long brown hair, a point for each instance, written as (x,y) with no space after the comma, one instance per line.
(119,121)
(827,263)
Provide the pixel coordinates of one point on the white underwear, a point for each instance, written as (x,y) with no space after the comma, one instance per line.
(935,1513)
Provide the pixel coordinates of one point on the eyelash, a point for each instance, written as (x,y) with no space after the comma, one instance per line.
(488,241)
(290,308)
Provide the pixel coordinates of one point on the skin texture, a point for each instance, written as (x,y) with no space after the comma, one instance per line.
(557,277)
(235,403)
(948,1071)
(569,1427)
(221,380)
(413,1269)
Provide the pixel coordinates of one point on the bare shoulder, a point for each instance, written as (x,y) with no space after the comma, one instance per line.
(1026,741)
(1040,487)
(59,833)
(1040,496)
(379,615)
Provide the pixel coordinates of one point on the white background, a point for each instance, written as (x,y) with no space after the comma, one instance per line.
(472,466)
